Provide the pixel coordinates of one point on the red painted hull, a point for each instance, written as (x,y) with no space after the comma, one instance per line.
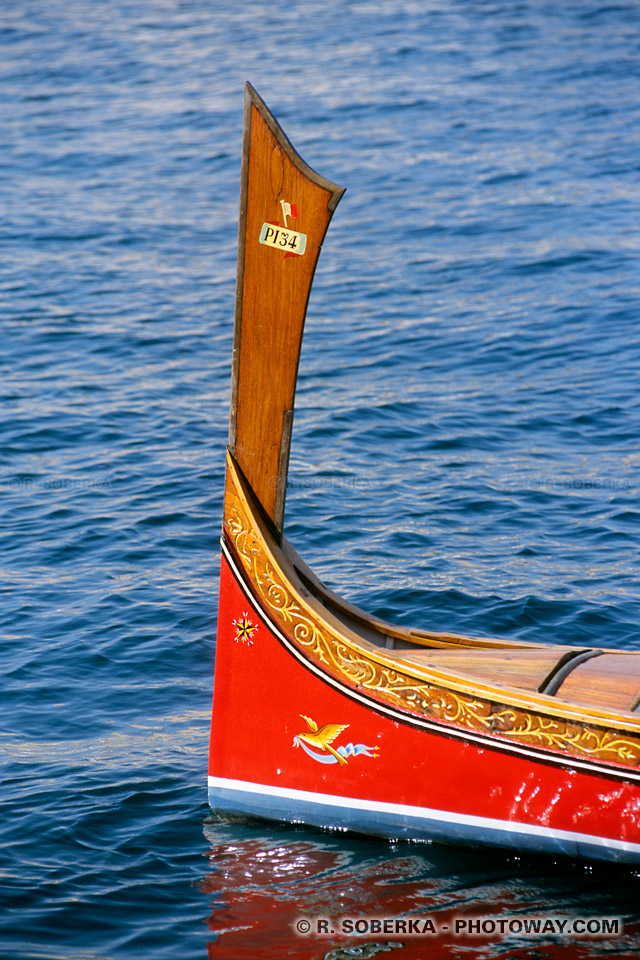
(406,780)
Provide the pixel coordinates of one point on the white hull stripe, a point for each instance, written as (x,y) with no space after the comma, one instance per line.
(403,810)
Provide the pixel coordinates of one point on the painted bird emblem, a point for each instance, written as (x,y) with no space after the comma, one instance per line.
(321,738)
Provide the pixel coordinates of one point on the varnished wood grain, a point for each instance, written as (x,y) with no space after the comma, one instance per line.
(272,295)
(609,680)
(525,669)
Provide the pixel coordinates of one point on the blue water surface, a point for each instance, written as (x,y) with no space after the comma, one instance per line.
(465,452)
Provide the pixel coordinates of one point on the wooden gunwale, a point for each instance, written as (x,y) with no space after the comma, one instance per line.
(336,619)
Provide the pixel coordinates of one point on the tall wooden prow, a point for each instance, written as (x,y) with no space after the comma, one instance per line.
(285,209)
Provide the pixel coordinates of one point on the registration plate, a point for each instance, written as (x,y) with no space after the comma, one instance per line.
(289,241)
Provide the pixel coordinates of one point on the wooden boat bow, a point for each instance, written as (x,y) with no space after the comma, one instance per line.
(475,740)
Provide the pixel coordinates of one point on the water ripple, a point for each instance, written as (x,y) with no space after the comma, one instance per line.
(470,368)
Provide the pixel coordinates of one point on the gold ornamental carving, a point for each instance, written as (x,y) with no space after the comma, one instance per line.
(385,683)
